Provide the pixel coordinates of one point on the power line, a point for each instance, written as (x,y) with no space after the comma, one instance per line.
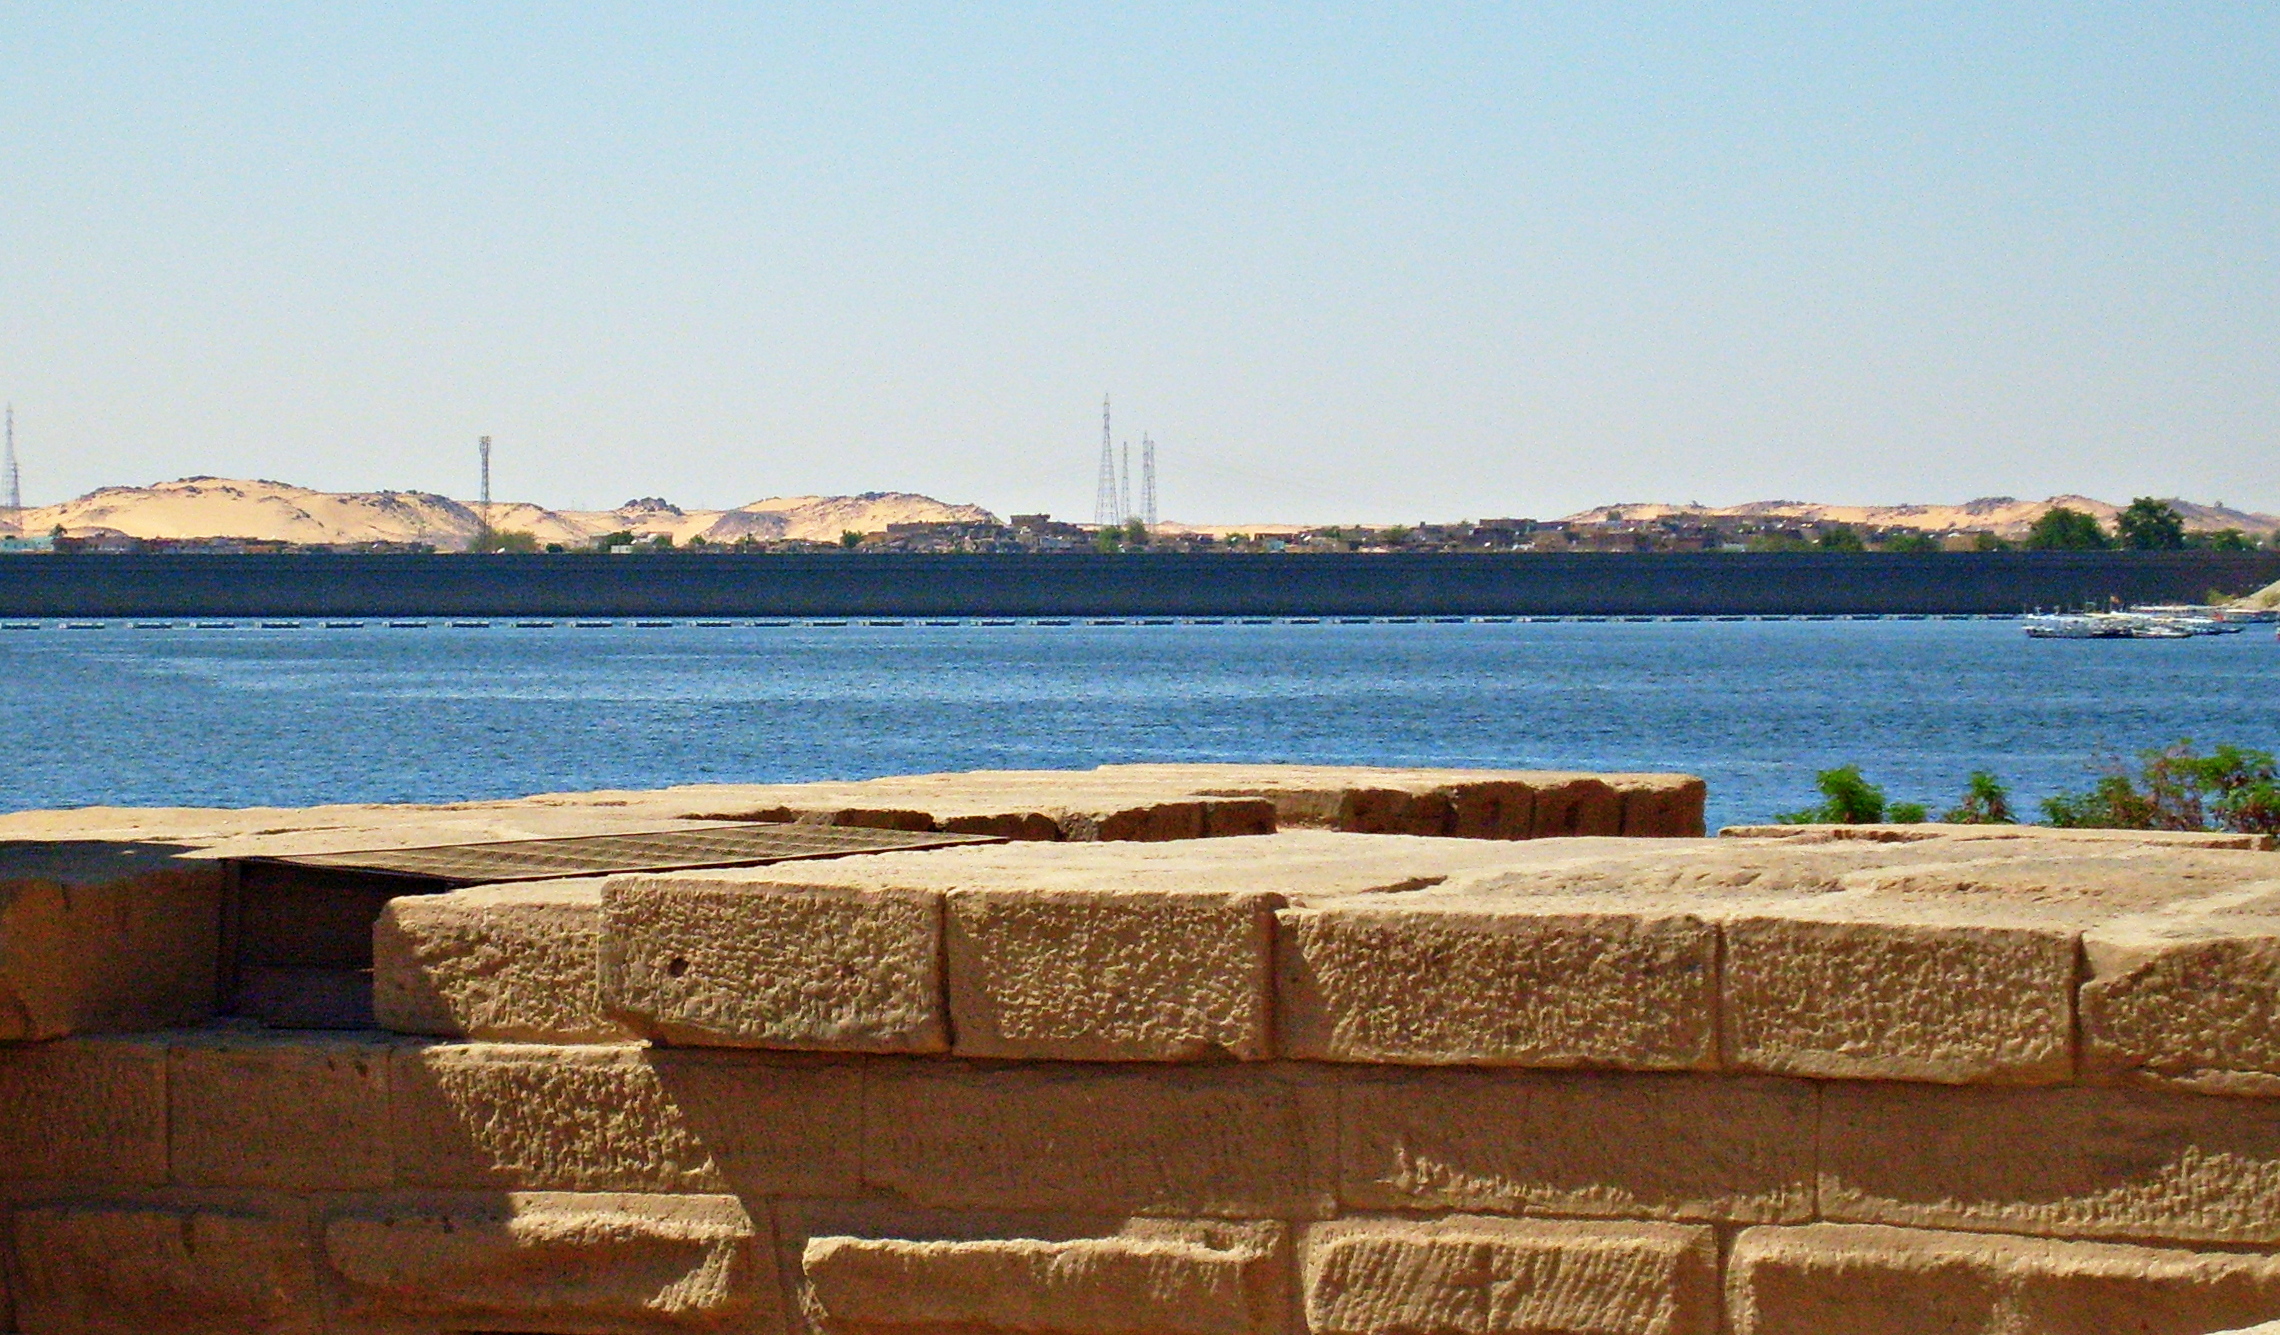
(1124,487)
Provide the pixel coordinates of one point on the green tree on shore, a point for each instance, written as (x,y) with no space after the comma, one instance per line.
(2151,525)
(2067,530)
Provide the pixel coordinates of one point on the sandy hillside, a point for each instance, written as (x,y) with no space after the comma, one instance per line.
(216,507)
(2004,515)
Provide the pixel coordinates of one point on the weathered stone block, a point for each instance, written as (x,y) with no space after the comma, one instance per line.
(722,960)
(2185,1001)
(1482,1276)
(104,937)
(1110,975)
(1886,997)
(87,1110)
(623,1118)
(614,1263)
(1733,1149)
(1474,981)
(300,1112)
(131,1268)
(1662,806)
(2067,1161)
(1241,1142)
(1837,1279)
(1571,805)
(512,963)
(1137,1281)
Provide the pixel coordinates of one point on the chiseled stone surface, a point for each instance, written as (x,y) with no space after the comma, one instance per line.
(1111,975)
(84,1110)
(1873,993)
(623,1118)
(723,960)
(104,938)
(290,1111)
(1434,980)
(1837,1279)
(1166,1281)
(505,963)
(2196,1001)
(2080,1161)
(1734,1149)
(100,1267)
(1474,1275)
(1246,1141)
(630,1262)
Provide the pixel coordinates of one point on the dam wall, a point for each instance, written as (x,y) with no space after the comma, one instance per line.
(1323,1078)
(1139,584)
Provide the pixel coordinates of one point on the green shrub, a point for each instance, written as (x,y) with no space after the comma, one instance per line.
(2150,525)
(2175,788)
(1907,813)
(1841,538)
(1985,802)
(1849,799)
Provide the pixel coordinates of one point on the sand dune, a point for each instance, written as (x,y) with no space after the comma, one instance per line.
(2005,516)
(217,507)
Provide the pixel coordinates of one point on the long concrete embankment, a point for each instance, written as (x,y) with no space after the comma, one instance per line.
(1802,583)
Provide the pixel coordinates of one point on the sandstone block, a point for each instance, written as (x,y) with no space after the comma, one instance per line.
(614,1263)
(104,937)
(1571,805)
(1663,806)
(1475,982)
(2185,1004)
(1483,1276)
(1838,1279)
(2082,1161)
(1596,1144)
(740,962)
(129,1268)
(90,1110)
(1238,1142)
(1156,821)
(1883,997)
(1161,1282)
(1110,975)
(301,1112)
(623,1118)
(514,963)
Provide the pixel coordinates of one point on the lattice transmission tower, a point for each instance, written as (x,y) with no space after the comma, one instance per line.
(1147,482)
(15,476)
(1124,487)
(1104,492)
(483,448)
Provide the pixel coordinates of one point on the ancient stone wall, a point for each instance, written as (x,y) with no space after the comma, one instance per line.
(1795,1083)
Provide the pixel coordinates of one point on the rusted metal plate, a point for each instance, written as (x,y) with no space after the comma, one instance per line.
(601,854)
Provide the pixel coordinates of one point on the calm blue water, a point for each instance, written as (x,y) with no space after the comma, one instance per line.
(247,715)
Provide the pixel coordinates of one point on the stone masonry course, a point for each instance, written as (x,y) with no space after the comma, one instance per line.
(1209,1050)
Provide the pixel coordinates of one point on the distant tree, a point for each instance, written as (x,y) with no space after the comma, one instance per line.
(621,538)
(1397,535)
(2064,530)
(512,540)
(2223,540)
(850,539)
(1840,538)
(556,547)
(1912,542)
(1135,533)
(2151,525)
(1989,542)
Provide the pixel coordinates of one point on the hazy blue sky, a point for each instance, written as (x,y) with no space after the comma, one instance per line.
(1392,263)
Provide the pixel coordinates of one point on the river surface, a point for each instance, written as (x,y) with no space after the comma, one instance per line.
(246,714)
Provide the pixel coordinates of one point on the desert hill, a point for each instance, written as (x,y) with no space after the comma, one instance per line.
(2005,516)
(220,507)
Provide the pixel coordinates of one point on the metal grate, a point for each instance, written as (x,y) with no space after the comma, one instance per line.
(600,854)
